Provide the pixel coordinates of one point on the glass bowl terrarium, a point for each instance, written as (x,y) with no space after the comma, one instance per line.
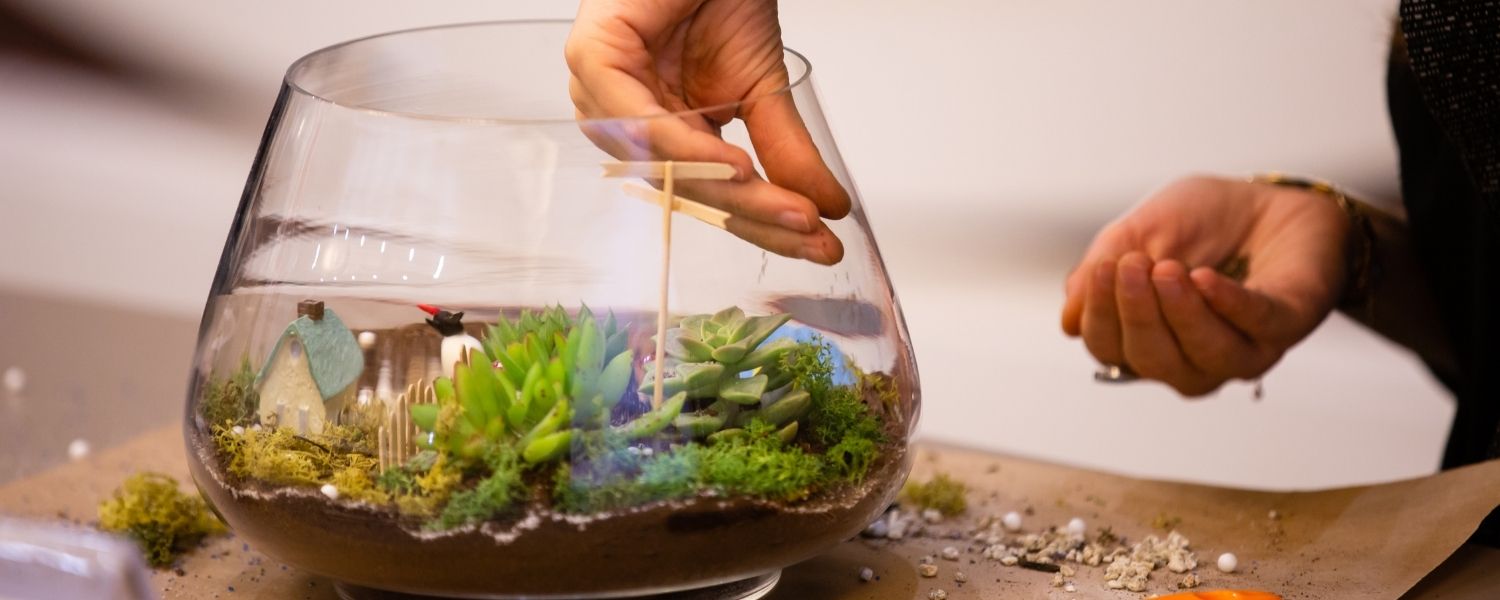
(428,363)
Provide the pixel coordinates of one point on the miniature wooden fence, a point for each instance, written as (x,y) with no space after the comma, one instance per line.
(395,437)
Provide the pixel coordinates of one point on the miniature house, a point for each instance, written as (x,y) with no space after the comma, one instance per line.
(310,374)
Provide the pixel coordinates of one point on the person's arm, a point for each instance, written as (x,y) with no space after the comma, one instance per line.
(1400,304)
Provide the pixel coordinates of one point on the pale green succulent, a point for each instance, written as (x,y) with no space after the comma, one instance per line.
(557,376)
(724,358)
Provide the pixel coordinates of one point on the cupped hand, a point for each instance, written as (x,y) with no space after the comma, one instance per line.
(691,66)
(1149,294)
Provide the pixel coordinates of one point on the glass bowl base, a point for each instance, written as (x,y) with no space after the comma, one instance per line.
(753,588)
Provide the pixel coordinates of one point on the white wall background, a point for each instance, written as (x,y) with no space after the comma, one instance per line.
(989,140)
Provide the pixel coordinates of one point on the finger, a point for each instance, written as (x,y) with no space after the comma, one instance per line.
(1209,344)
(1252,313)
(756,199)
(1074,290)
(1101,323)
(821,246)
(634,117)
(753,198)
(1145,339)
(790,158)
(1110,242)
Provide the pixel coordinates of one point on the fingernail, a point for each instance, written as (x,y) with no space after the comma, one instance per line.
(795,221)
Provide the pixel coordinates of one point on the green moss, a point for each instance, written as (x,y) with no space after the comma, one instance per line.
(280,456)
(354,482)
(759,464)
(941,493)
(756,464)
(837,411)
(274,456)
(150,509)
(491,497)
(605,475)
(432,488)
(231,401)
(852,457)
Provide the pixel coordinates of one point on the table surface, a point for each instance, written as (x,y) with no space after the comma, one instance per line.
(122,406)
(228,566)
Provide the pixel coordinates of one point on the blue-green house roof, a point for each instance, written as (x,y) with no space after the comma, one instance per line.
(333,355)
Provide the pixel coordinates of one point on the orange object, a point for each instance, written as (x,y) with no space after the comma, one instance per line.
(1221,595)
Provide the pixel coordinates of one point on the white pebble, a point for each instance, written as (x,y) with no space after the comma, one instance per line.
(937,594)
(366,340)
(950,553)
(1070,588)
(78,449)
(932,515)
(866,574)
(330,490)
(1228,562)
(238,430)
(1077,526)
(927,570)
(1012,521)
(15,380)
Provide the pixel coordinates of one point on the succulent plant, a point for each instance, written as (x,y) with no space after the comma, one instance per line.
(540,381)
(723,362)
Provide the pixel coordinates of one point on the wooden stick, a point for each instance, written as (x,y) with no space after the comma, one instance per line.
(702,212)
(666,269)
(381,449)
(680,170)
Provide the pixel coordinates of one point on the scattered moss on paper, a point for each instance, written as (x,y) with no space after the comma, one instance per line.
(941,493)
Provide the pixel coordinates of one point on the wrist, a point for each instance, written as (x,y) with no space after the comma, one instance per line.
(1360,267)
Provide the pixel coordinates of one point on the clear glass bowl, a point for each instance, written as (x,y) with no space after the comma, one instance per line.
(425,365)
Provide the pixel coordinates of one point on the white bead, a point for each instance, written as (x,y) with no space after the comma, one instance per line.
(1077,526)
(331,491)
(1012,521)
(1228,562)
(78,449)
(366,340)
(15,380)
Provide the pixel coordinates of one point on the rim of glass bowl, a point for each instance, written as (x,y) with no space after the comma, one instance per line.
(297,67)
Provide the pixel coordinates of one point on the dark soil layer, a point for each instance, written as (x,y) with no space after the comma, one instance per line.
(661,547)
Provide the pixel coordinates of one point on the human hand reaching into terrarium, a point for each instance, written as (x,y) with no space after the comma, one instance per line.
(662,58)
(1149,294)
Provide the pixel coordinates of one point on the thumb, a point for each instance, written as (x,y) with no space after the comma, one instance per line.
(1260,314)
(787,152)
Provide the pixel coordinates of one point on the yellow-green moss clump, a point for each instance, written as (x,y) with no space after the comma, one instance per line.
(150,509)
(941,493)
(282,457)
